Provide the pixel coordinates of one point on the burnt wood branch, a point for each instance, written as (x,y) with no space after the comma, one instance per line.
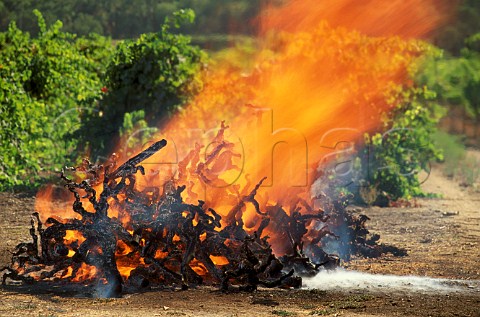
(175,243)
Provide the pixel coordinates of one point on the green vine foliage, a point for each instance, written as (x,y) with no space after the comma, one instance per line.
(456,80)
(392,160)
(62,95)
(156,73)
(134,131)
(397,156)
(47,82)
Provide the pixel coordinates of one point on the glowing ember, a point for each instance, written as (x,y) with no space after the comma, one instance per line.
(85,272)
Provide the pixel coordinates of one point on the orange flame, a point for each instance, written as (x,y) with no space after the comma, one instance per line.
(315,85)
(219,260)
(85,272)
(321,78)
(53,201)
(406,18)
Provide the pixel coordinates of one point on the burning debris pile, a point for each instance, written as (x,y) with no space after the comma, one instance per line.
(157,239)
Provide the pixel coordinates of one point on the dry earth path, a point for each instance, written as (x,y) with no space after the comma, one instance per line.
(442,237)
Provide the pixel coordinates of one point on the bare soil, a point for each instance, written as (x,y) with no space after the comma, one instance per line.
(442,236)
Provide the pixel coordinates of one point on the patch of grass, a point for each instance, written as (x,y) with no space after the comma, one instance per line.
(307,306)
(453,151)
(470,171)
(351,302)
(26,306)
(324,312)
(457,163)
(283,313)
(103,300)
(350,305)
(354,301)
(317,292)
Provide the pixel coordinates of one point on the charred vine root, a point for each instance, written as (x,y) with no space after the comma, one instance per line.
(163,240)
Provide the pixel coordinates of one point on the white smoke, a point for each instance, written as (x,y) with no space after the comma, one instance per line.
(343,280)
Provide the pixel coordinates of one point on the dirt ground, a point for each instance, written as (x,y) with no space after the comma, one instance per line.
(442,236)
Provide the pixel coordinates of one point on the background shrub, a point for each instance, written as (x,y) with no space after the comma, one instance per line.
(152,77)
(47,82)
